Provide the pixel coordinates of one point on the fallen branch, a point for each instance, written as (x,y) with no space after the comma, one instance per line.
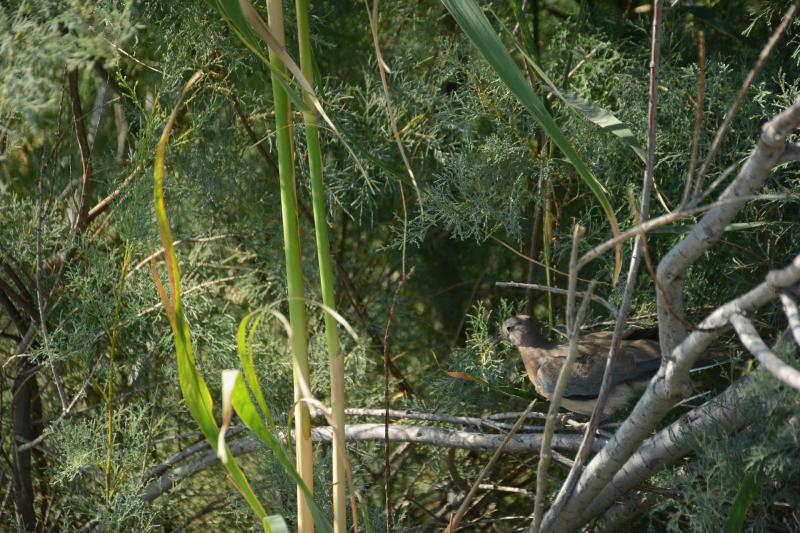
(443,438)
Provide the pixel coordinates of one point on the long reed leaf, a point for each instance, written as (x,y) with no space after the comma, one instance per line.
(477,27)
(248,413)
(193,386)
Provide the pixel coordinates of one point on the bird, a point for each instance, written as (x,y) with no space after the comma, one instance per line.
(638,359)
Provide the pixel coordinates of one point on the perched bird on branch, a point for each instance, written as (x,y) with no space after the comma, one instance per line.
(637,361)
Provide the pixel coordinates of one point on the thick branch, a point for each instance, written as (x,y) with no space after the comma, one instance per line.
(769,361)
(443,438)
(664,391)
(726,412)
(766,155)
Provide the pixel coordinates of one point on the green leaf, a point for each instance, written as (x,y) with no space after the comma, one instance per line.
(744,499)
(193,386)
(244,341)
(592,112)
(248,413)
(475,24)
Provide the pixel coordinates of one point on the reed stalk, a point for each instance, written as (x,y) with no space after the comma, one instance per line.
(335,355)
(294,270)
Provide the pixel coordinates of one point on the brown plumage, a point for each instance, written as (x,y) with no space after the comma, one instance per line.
(638,359)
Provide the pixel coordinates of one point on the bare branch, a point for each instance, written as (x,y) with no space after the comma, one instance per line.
(103,204)
(574,321)
(83,145)
(639,249)
(273,168)
(698,116)
(599,299)
(726,123)
(462,509)
(664,391)
(725,412)
(756,346)
(710,228)
(792,314)
(657,222)
(439,437)
(397,414)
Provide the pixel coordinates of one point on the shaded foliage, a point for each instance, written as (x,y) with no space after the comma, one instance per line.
(478,159)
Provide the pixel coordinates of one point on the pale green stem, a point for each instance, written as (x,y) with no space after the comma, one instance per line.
(335,355)
(294,271)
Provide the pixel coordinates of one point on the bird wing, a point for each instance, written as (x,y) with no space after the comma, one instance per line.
(636,360)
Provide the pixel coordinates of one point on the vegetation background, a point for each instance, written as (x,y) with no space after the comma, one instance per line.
(483,172)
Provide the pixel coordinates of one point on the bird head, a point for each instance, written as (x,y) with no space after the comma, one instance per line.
(520,330)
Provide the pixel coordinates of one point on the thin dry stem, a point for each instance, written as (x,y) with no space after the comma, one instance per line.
(726,123)
(464,507)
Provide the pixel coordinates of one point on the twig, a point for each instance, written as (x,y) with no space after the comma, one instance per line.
(599,299)
(574,322)
(723,129)
(630,283)
(386,366)
(41,299)
(520,254)
(65,412)
(273,168)
(756,346)
(716,183)
(698,116)
(83,145)
(196,288)
(144,262)
(669,218)
(536,239)
(462,509)
(103,204)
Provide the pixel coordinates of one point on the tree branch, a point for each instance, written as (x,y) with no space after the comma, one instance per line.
(83,145)
(726,412)
(769,361)
(664,391)
(709,230)
(439,437)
